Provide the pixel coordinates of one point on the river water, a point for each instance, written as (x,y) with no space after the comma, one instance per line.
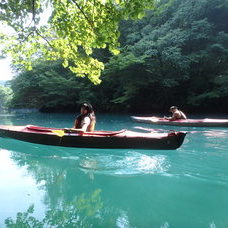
(46,186)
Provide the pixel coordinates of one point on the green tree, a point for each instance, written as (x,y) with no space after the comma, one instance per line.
(5,97)
(180,58)
(51,87)
(177,56)
(74,29)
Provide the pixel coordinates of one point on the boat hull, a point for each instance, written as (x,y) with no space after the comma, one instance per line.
(184,123)
(123,140)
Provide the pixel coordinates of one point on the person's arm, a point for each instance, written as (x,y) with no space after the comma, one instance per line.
(77,130)
(85,124)
(183,115)
(175,116)
(75,123)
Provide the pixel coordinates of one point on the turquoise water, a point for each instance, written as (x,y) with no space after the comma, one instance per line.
(45,186)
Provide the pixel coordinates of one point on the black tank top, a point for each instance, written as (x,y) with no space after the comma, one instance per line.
(79,121)
(81,117)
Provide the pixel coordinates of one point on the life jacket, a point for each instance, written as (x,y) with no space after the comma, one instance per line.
(80,118)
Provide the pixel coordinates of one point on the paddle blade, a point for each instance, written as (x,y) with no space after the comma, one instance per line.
(60,133)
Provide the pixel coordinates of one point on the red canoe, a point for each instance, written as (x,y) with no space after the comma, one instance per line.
(187,123)
(97,139)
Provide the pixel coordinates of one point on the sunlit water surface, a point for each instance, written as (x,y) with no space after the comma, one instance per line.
(46,186)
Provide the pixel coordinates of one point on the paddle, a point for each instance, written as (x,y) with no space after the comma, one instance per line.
(70,130)
(59,133)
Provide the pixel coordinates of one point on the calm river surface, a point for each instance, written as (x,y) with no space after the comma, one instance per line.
(46,186)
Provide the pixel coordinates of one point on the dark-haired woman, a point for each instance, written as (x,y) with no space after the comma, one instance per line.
(86,120)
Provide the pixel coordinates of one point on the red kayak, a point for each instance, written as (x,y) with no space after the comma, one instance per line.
(186,123)
(96,139)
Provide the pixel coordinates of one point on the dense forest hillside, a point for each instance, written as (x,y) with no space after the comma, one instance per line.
(5,97)
(177,55)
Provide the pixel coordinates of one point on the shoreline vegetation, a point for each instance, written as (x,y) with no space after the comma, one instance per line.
(194,115)
(175,57)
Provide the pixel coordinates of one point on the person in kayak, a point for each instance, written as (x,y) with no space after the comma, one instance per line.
(86,120)
(177,114)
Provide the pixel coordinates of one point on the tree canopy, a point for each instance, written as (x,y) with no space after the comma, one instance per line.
(175,57)
(74,29)
(5,97)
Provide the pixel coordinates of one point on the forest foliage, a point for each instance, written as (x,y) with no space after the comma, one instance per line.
(175,56)
(5,97)
(71,31)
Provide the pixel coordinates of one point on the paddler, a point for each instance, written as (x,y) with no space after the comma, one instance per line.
(177,114)
(86,120)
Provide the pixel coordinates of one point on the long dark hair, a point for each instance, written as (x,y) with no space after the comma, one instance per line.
(88,107)
(90,113)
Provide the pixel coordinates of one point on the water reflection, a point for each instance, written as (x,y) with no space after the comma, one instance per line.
(122,221)
(131,163)
(6,119)
(123,188)
(67,198)
(203,157)
(75,191)
(212,139)
(71,214)
(108,162)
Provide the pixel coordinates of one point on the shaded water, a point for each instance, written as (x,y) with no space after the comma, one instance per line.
(46,186)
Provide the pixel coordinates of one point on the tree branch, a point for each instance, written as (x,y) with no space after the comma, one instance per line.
(83,13)
(33,12)
(39,34)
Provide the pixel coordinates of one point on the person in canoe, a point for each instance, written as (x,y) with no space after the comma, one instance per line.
(86,120)
(177,114)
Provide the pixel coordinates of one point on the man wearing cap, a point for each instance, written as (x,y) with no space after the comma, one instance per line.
(177,114)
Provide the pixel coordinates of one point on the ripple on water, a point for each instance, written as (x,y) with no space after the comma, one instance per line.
(131,164)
